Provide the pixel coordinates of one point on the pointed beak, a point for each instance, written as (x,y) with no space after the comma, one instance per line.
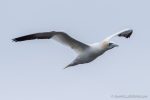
(115,45)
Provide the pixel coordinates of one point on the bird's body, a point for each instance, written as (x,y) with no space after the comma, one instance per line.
(86,53)
(95,50)
(87,56)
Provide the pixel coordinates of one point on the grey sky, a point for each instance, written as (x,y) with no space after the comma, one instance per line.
(33,70)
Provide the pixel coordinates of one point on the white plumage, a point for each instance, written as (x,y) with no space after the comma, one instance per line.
(86,53)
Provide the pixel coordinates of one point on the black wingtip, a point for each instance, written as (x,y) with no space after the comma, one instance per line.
(126,35)
(129,35)
(14,40)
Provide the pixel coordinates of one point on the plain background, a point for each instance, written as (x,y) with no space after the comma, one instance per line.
(33,70)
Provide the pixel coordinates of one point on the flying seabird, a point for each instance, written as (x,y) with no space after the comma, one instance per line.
(86,53)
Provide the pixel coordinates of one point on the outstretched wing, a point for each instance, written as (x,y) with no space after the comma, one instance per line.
(58,36)
(124,33)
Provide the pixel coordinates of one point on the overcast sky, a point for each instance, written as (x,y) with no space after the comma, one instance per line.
(33,70)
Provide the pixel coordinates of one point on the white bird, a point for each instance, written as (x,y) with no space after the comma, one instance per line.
(86,53)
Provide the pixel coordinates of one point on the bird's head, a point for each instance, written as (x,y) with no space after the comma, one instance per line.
(107,45)
(111,45)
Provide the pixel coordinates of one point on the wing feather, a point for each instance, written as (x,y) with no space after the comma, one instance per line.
(58,36)
(124,33)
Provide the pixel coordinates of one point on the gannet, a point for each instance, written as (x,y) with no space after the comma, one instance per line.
(85,52)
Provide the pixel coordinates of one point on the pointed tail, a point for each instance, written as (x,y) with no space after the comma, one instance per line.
(70,65)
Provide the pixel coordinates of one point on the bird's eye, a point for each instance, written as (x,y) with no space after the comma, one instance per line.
(110,44)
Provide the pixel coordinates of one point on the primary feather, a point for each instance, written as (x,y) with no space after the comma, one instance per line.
(58,36)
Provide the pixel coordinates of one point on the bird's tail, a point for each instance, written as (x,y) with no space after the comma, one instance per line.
(66,66)
(70,65)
